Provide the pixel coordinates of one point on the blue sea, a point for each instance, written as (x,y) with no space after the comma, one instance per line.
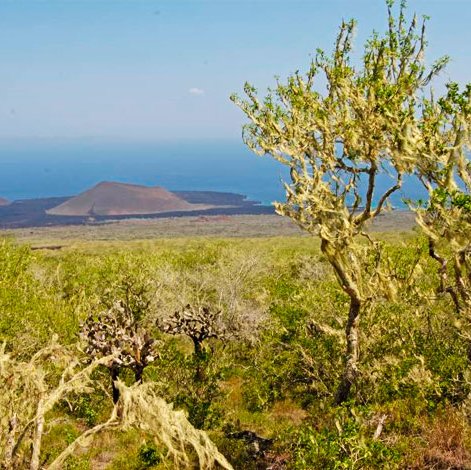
(46,168)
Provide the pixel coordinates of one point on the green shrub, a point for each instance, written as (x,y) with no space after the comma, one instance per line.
(149,456)
(348,443)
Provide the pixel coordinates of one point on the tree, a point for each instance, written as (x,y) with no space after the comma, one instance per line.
(337,141)
(200,386)
(31,389)
(117,334)
(199,324)
(444,167)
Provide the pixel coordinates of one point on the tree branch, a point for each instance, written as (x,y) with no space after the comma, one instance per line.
(387,194)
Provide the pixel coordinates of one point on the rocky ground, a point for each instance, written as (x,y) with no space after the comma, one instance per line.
(222,226)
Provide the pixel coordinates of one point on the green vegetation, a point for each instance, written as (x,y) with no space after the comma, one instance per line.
(273,373)
(367,122)
(239,353)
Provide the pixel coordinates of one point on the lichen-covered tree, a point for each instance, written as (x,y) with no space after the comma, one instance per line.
(117,334)
(444,167)
(338,129)
(199,324)
(32,388)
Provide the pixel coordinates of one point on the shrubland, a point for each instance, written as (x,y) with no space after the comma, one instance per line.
(346,349)
(264,395)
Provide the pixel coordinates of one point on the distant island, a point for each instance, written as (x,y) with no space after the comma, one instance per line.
(115,201)
(111,199)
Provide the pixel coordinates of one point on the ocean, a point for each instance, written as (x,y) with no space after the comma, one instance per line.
(48,168)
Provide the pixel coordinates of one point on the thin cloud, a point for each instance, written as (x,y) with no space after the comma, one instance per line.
(196,91)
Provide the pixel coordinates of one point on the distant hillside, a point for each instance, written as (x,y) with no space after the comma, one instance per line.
(4,202)
(36,212)
(114,199)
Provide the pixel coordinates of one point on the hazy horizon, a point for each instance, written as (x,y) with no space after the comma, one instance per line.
(145,70)
(66,168)
(50,167)
(138,91)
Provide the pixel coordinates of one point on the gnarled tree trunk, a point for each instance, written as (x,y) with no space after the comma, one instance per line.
(351,366)
(38,434)
(114,372)
(347,280)
(10,443)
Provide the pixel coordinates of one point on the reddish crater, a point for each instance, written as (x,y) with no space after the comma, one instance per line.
(109,198)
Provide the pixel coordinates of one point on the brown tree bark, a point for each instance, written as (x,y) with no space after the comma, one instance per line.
(199,359)
(351,366)
(38,434)
(138,371)
(10,444)
(114,372)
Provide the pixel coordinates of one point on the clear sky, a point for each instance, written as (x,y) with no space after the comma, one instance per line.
(163,70)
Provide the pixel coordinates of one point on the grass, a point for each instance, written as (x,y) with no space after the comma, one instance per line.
(278,383)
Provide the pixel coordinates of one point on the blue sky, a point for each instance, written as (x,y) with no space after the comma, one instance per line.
(163,70)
